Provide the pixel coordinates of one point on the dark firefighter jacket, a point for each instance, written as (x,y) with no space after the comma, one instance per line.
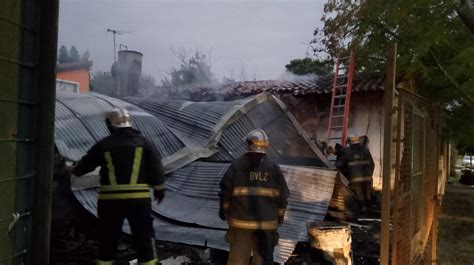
(254,195)
(129,166)
(356,164)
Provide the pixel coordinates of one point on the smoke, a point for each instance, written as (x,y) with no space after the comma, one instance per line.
(291,77)
(262,35)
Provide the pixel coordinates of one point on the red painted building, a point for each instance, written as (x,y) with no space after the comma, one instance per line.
(77,72)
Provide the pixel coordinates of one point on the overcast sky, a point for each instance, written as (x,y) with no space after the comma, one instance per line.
(259,36)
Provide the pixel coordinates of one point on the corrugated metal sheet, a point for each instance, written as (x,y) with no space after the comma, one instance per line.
(164,230)
(223,126)
(70,135)
(88,110)
(191,200)
(164,139)
(80,123)
(195,121)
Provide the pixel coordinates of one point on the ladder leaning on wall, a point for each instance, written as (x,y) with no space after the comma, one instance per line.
(341,99)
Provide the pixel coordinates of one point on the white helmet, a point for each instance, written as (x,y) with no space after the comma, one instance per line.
(257,141)
(119,118)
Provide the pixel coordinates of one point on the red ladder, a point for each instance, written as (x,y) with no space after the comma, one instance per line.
(341,99)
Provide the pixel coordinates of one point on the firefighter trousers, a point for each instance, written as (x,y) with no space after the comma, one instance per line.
(362,191)
(243,243)
(111,216)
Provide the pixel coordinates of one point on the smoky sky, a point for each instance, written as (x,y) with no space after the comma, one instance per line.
(246,39)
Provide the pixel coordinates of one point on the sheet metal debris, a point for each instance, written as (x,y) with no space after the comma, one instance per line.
(197,142)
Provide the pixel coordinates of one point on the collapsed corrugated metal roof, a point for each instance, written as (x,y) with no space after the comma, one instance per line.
(223,125)
(210,134)
(80,123)
(192,203)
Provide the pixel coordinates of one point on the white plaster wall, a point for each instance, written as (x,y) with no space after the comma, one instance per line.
(365,118)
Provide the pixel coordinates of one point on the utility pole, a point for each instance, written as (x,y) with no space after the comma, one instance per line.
(115,32)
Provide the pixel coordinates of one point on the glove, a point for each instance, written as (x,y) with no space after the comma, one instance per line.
(159,195)
(222,214)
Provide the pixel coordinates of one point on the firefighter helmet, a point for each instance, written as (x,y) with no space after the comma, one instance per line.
(257,141)
(353,139)
(119,118)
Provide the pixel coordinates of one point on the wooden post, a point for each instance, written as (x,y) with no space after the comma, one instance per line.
(396,197)
(387,153)
(42,190)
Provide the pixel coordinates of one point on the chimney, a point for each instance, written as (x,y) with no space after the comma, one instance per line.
(126,73)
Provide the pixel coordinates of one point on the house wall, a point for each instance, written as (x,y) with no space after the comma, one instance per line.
(81,76)
(365,118)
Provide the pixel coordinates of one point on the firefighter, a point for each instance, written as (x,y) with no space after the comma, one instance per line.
(130,166)
(357,165)
(253,200)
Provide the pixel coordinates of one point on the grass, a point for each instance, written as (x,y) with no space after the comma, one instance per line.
(456,227)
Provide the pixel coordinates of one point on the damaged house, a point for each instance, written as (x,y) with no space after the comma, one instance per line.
(197,142)
(309,101)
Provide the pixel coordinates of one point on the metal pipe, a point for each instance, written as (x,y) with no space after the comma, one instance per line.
(42,190)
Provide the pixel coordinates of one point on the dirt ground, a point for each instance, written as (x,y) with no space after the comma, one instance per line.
(456,225)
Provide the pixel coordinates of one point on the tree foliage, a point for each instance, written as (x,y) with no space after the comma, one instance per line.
(308,66)
(63,55)
(72,55)
(192,70)
(102,82)
(435,48)
(85,56)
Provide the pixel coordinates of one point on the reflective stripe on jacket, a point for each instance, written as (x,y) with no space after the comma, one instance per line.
(356,164)
(129,166)
(254,194)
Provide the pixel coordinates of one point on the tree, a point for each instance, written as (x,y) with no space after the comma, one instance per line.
(63,55)
(146,85)
(435,48)
(85,56)
(194,70)
(74,54)
(309,66)
(102,82)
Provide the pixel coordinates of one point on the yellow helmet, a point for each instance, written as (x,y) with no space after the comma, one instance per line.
(352,139)
(257,141)
(119,118)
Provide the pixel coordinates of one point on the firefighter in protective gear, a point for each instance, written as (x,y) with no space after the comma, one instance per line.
(130,166)
(357,165)
(253,200)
